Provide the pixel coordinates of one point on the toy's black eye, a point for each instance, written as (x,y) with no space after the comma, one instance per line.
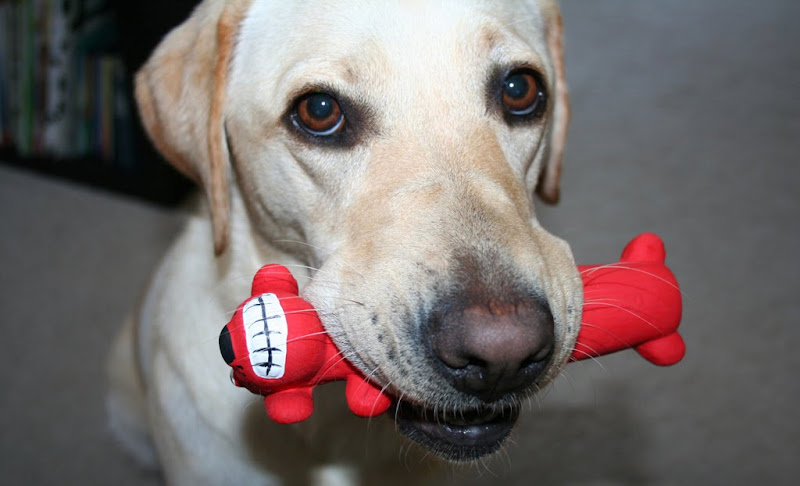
(226,346)
(522,94)
(319,114)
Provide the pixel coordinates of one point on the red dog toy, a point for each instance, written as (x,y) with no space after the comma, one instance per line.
(277,346)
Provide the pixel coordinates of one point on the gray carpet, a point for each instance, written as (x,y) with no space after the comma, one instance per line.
(686,123)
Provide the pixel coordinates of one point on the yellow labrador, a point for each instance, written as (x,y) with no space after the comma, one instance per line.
(389,153)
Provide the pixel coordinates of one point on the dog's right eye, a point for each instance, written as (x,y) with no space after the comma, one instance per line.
(521,93)
(319,114)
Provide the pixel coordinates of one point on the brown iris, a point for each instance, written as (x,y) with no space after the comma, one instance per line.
(319,114)
(521,93)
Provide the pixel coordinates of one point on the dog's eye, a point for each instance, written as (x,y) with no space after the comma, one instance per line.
(319,114)
(521,93)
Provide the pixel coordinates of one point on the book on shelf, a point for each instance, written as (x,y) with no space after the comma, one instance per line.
(64,89)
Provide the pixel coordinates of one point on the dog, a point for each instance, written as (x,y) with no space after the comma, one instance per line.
(389,153)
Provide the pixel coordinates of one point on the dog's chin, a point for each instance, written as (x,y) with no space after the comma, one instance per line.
(459,437)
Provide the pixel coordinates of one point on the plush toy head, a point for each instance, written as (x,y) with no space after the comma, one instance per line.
(278,348)
(256,341)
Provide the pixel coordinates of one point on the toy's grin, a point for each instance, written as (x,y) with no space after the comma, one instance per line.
(266,334)
(459,437)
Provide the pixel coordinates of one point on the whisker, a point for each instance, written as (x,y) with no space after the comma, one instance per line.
(487,468)
(536,397)
(255,401)
(619,307)
(621,266)
(229,312)
(397,408)
(240,325)
(230,280)
(342,357)
(322,250)
(299,242)
(504,451)
(587,301)
(304,267)
(375,403)
(312,334)
(596,354)
(319,312)
(565,373)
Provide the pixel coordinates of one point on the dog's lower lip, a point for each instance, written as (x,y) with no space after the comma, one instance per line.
(459,436)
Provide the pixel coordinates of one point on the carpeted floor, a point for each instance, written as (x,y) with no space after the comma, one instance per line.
(686,122)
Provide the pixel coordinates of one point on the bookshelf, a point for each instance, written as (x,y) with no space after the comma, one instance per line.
(66,105)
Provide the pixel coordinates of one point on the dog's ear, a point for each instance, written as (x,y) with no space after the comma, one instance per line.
(180,91)
(548,185)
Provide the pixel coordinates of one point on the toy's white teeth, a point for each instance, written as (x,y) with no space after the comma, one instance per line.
(266,332)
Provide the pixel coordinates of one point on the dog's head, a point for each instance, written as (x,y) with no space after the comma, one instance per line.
(402,143)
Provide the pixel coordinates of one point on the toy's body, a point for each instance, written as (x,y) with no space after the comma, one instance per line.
(278,348)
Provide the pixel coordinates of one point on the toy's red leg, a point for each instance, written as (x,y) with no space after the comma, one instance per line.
(664,351)
(290,406)
(646,247)
(364,398)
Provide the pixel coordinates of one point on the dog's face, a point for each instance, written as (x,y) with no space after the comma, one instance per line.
(402,143)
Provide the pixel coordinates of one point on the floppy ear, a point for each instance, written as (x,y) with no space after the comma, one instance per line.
(181,96)
(548,186)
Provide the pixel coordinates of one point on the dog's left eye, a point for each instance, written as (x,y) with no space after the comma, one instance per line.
(521,93)
(319,114)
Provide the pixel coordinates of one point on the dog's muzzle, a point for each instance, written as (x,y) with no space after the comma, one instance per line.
(491,355)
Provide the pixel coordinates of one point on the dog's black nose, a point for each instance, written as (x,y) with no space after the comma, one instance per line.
(489,351)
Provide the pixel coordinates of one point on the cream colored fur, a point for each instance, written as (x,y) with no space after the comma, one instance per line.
(436,175)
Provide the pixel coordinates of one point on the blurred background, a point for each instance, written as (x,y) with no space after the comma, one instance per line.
(686,122)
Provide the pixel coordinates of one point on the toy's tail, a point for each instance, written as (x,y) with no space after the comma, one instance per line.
(634,303)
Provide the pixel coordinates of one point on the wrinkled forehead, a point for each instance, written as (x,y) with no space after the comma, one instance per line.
(284,46)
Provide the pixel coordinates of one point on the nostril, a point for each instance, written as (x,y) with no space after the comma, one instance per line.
(534,364)
(542,355)
(529,361)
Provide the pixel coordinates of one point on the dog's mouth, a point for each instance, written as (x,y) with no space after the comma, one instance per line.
(456,436)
